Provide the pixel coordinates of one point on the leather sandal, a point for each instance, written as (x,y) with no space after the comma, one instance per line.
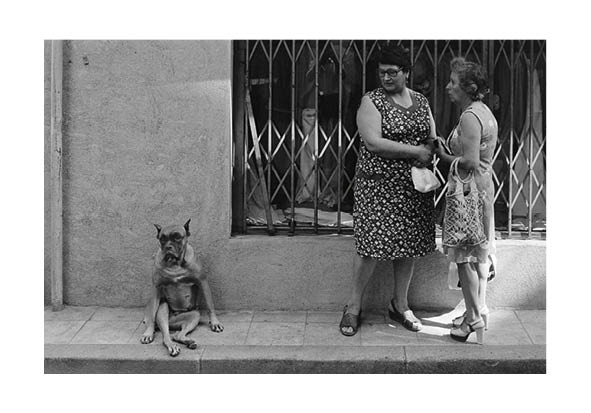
(349,320)
(484,312)
(395,315)
(462,332)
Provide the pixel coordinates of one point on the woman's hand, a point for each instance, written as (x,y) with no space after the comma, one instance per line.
(439,149)
(424,155)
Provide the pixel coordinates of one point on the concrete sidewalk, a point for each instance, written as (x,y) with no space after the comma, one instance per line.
(106,340)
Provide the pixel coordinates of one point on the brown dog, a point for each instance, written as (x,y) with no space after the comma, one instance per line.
(177,279)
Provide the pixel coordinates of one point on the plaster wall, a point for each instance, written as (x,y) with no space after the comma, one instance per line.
(314,272)
(146,140)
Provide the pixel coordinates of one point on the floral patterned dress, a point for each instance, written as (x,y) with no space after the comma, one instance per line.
(391,219)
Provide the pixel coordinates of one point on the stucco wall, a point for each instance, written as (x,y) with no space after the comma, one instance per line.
(314,272)
(146,140)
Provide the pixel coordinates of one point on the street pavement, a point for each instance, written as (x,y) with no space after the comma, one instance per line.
(107,340)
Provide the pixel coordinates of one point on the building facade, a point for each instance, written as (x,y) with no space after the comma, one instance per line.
(161,132)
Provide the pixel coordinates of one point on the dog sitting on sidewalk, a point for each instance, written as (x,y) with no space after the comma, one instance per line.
(177,278)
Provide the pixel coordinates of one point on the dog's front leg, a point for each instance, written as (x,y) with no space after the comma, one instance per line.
(150,316)
(162,317)
(214,323)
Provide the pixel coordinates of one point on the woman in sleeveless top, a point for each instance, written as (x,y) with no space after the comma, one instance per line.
(392,220)
(472,142)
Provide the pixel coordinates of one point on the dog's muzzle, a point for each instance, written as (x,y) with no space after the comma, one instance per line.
(170,256)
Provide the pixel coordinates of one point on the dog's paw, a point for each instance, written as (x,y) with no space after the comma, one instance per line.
(173,350)
(216,326)
(147,338)
(190,343)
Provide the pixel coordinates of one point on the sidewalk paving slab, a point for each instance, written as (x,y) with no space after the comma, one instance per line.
(61,332)
(106,332)
(328,334)
(276,333)
(71,313)
(534,323)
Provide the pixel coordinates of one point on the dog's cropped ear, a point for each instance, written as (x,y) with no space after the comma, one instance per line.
(159,228)
(187,227)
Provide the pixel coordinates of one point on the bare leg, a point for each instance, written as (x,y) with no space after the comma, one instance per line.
(363,268)
(482,270)
(403,271)
(186,322)
(470,286)
(162,321)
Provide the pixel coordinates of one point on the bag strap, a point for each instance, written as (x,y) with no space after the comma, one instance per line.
(454,166)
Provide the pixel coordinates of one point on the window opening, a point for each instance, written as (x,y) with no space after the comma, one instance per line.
(303,101)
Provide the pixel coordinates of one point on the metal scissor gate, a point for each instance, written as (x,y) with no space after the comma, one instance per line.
(298,129)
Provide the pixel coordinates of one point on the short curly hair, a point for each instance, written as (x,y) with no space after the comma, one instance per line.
(391,54)
(472,77)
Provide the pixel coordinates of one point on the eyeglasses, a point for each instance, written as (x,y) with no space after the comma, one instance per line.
(392,73)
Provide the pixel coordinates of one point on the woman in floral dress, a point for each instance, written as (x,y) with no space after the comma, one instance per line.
(392,220)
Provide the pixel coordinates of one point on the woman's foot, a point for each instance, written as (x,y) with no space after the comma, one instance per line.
(484,312)
(462,332)
(405,317)
(349,323)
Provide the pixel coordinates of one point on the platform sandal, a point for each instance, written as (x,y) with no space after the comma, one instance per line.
(462,332)
(349,320)
(484,312)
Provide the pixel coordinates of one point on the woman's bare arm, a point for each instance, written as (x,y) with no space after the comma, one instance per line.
(369,122)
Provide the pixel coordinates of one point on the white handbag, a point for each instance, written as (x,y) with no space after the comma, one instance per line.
(424,180)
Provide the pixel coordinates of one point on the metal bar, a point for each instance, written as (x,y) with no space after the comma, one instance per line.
(56,196)
(511,139)
(364,68)
(293,125)
(530,137)
(340,138)
(491,84)
(245,126)
(434,107)
(316,169)
(412,59)
(257,152)
(270,119)
(489,71)
(435,80)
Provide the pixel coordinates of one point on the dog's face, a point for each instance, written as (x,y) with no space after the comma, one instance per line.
(173,241)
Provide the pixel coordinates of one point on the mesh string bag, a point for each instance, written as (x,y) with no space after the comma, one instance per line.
(463,221)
